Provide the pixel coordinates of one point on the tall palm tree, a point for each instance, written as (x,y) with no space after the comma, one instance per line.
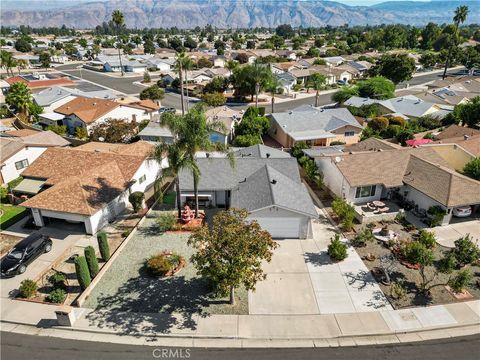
(192,132)
(272,87)
(119,20)
(19,95)
(460,16)
(7,61)
(178,160)
(259,74)
(187,65)
(21,65)
(316,82)
(178,66)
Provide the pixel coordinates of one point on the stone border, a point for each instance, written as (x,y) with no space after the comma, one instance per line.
(86,293)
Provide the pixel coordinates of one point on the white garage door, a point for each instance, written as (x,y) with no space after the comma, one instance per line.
(281,228)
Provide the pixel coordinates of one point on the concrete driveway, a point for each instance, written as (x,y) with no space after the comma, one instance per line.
(61,242)
(446,235)
(301,279)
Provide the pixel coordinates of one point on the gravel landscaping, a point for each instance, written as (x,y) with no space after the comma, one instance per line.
(127,287)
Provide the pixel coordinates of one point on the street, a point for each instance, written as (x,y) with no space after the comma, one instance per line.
(126,86)
(19,346)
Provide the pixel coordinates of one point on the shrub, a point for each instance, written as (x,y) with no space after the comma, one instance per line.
(466,251)
(397,120)
(81,269)
(344,211)
(247,140)
(57,296)
(136,199)
(58,129)
(427,238)
(103,246)
(297,149)
(214,99)
(58,280)
(472,168)
(166,221)
(461,280)
(146,77)
(417,253)
(364,236)
(337,250)
(398,291)
(3,193)
(378,123)
(447,264)
(81,133)
(126,233)
(28,288)
(158,265)
(437,214)
(92,261)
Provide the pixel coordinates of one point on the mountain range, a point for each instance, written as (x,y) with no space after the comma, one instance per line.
(228,13)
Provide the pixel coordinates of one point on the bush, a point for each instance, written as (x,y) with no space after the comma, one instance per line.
(92,261)
(472,168)
(461,280)
(398,291)
(437,214)
(3,193)
(81,133)
(126,233)
(28,288)
(103,246)
(397,120)
(57,296)
(466,251)
(58,129)
(297,149)
(166,221)
(158,265)
(337,250)
(146,77)
(378,123)
(427,238)
(136,199)
(58,280)
(214,99)
(246,140)
(417,253)
(83,274)
(447,264)
(364,236)
(344,211)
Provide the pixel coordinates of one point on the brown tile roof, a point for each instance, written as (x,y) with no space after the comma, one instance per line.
(147,105)
(139,148)
(371,144)
(454,131)
(472,144)
(21,132)
(84,181)
(87,109)
(422,168)
(9,147)
(40,83)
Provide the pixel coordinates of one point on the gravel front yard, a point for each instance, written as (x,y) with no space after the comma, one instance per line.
(127,287)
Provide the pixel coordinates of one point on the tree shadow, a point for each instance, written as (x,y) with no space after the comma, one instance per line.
(101,193)
(318,259)
(361,279)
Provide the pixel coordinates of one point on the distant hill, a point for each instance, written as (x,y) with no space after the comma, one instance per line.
(228,13)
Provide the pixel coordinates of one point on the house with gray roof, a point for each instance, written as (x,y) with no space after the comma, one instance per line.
(263,180)
(315,126)
(154,132)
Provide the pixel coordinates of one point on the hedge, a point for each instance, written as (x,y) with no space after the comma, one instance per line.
(92,261)
(103,246)
(83,275)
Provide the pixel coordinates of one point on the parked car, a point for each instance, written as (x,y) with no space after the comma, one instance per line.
(165,109)
(463,211)
(341,82)
(24,253)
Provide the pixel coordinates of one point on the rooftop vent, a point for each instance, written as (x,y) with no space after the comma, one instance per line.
(466,137)
(273,181)
(268,155)
(290,112)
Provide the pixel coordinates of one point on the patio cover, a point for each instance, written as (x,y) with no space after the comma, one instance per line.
(29,186)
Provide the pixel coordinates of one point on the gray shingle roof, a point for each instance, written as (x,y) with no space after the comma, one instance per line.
(261,151)
(50,95)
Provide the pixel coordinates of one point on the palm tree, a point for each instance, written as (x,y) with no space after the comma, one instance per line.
(187,65)
(7,61)
(272,87)
(192,132)
(178,160)
(21,65)
(19,95)
(460,16)
(316,82)
(260,75)
(119,20)
(178,66)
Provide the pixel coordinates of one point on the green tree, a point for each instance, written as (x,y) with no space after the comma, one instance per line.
(429,59)
(119,20)
(203,62)
(272,87)
(44,58)
(316,81)
(460,16)
(376,88)
(153,92)
(214,99)
(472,168)
(23,45)
(83,274)
(58,129)
(430,33)
(396,67)
(231,252)
(92,261)
(136,199)
(251,80)
(217,85)
(417,253)
(345,93)
(103,246)
(246,140)
(146,77)
(113,131)
(7,61)
(20,97)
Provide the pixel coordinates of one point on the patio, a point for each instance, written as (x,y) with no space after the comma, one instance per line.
(376,211)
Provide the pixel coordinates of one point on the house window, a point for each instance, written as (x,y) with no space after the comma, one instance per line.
(349,133)
(19,165)
(365,191)
(142,179)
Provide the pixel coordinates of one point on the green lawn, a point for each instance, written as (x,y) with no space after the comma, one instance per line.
(11,214)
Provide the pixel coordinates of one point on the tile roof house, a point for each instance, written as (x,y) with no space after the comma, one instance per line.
(86,112)
(89,184)
(427,176)
(41,81)
(20,148)
(315,126)
(265,181)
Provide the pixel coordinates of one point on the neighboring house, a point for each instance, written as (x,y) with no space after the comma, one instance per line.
(315,126)
(87,112)
(334,60)
(52,98)
(228,117)
(263,180)
(467,138)
(455,131)
(278,68)
(287,81)
(426,175)
(154,132)
(409,106)
(20,148)
(302,75)
(89,184)
(112,64)
(215,72)
(162,65)
(32,60)
(150,108)
(35,81)
(218,61)
(289,54)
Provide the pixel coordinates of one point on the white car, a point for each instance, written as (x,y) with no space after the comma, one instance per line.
(463,211)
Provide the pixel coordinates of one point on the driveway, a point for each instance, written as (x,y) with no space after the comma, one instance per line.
(61,242)
(301,279)
(446,235)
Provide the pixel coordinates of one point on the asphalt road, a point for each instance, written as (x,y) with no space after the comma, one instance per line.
(19,347)
(126,86)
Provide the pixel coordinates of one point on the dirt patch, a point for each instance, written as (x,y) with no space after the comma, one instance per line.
(7,242)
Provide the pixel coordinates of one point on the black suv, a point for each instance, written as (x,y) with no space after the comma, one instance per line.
(22,254)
